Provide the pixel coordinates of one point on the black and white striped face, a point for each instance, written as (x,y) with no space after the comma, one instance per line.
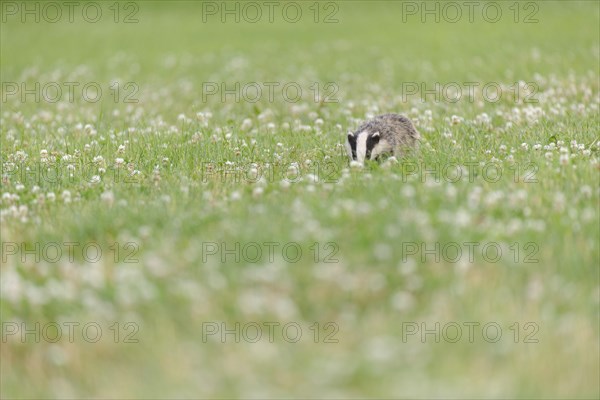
(364,146)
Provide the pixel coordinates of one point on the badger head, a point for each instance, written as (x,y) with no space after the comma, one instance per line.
(365,145)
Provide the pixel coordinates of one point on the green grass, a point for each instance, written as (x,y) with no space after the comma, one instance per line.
(157,216)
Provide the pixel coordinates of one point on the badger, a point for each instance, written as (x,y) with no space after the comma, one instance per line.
(384,134)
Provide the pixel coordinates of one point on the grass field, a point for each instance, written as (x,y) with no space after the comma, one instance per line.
(179,218)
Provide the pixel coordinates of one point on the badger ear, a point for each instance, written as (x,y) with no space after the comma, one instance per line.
(351,137)
(375,137)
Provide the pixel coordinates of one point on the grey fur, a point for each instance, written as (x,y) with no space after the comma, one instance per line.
(396,132)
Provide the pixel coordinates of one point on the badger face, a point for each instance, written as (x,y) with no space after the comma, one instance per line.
(364,146)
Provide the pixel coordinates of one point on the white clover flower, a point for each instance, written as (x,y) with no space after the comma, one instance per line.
(586,191)
(21,156)
(121,149)
(525,146)
(50,196)
(559,201)
(95,179)
(203,118)
(44,153)
(537,146)
(483,119)
(108,197)
(312,178)
(235,196)
(19,187)
(119,162)
(246,124)
(252,174)
(66,196)
(389,162)
(257,191)
(564,159)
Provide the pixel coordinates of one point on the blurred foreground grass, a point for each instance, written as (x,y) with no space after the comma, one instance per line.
(180,215)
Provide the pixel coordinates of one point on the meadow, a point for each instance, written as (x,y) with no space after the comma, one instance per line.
(179,218)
